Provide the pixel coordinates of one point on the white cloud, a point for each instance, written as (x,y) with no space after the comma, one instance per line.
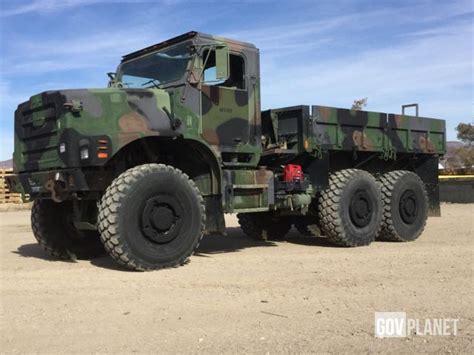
(300,36)
(430,69)
(420,63)
(100,49)
(9,97)
(45,6)
(45,66)
(41,6)
(104,42)
(429,64)
(6,148)
(309,35)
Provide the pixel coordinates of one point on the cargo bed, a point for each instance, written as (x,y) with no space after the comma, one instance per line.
(320,128)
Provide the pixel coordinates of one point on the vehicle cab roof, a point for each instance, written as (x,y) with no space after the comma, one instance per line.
(188,35)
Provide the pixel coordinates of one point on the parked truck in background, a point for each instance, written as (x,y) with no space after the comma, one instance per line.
(145,167)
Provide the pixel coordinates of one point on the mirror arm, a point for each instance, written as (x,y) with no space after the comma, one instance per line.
(190,70)
(211,48)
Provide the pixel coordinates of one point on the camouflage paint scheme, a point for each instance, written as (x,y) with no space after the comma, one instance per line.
(115,116)
(224,123)
(335,128)
(107,120)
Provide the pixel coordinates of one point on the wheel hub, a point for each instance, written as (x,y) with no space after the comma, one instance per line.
(161,219)
(360,209)
(408,207)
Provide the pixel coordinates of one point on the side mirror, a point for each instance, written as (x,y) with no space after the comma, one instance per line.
(222,63)
(111,76)
(113,83)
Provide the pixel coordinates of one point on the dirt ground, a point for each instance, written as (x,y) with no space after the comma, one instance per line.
(237,295)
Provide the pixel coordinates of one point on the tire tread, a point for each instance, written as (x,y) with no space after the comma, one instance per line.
(329,208)
(387,183)
(41,234)
(109,209)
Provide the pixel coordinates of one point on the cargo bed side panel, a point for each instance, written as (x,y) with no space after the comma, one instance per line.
(417,134)
(343,129)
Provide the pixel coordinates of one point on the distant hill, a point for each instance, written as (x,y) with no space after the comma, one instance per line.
(6,164)
(453,145)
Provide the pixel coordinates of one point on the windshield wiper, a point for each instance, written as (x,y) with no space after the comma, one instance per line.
(152,81)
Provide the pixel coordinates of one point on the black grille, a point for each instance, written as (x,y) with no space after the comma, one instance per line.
(43,126)
(36,129)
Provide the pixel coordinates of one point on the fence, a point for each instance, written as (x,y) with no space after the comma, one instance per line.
(456,188)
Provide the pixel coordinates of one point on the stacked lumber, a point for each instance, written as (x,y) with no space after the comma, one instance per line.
(6,196)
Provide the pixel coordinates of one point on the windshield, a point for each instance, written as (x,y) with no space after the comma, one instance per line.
(157,68)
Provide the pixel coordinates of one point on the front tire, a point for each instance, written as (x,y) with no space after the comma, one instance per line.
(406,206)
(54,230)
(350,209)
(152,216)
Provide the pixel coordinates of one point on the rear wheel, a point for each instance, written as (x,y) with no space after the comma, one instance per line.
(53,228)
(405,206)
(152,216)
(264,225)
(350,209)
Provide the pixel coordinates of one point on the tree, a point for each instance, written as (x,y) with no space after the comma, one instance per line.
(466,152)
(466,133)
(359,104)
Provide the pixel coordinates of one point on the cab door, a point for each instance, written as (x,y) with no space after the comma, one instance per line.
(224,103)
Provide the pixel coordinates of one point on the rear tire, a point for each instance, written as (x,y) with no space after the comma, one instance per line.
(350,209)
(53,228)
(152,216)
(405,206)
(263,225)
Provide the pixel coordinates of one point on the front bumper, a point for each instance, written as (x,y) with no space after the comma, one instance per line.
(57,184)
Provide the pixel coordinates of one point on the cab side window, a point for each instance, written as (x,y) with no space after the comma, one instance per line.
(236,78)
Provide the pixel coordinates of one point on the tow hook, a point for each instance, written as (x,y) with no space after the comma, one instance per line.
(56,187)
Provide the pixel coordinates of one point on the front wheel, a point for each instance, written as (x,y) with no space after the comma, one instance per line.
(152,216)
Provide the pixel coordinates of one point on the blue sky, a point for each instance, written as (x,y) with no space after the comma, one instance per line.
(312,52)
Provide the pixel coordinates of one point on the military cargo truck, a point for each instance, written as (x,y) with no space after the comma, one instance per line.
(142,169)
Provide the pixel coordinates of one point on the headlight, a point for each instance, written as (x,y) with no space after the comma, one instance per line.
(84,153)
(62,147)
